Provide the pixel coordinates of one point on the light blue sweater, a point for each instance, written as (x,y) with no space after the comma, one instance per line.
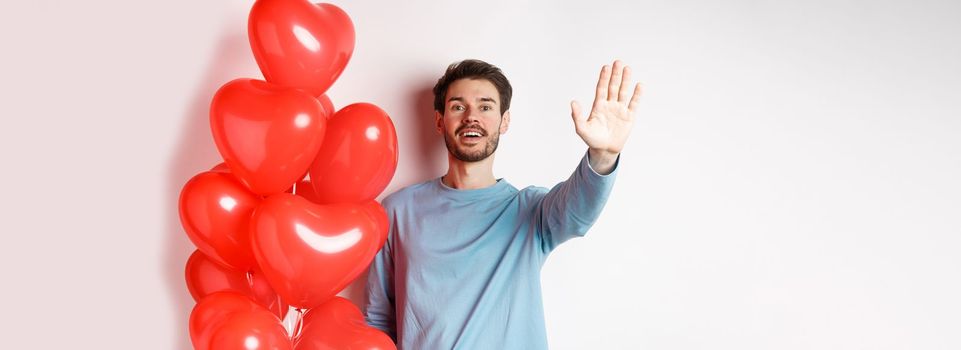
(461,268)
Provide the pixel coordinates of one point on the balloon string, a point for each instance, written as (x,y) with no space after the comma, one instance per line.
(298,324)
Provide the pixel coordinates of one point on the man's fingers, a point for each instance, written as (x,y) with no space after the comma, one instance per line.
(602,82)
(625,85)
(615,85)
(576,112)
(635,98)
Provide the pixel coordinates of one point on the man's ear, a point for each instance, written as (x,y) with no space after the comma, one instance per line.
(505,122)
(439,122)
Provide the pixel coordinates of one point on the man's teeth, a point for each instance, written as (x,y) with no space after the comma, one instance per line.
(472,134)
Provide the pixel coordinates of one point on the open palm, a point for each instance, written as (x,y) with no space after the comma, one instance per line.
(608,125)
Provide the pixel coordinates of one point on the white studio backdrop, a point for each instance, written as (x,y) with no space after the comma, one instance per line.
(791,183)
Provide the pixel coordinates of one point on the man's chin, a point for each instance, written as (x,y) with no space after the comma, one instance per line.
(470,157)
(471,153)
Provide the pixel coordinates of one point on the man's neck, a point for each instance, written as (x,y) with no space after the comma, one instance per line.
(469,175)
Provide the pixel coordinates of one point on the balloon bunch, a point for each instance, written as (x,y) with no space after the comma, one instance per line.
(290,217)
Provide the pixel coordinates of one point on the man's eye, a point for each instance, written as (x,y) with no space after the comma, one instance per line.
(457,108)
(485,108)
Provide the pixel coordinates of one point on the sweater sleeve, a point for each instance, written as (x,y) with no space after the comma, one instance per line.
(571,207)
(379,310)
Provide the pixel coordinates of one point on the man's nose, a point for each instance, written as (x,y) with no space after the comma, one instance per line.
(472,115)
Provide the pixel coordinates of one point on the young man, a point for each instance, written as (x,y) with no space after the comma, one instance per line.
(461,266)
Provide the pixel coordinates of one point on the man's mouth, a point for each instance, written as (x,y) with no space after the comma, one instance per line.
(471,134)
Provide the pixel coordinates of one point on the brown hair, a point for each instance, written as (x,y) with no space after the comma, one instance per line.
(472,69)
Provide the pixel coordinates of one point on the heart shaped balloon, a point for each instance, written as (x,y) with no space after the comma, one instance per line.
(299,44)
(310,252)
(254,330)
(225,320)
(268,134)
(205,277)
(358,158)
(379,217)
(338,324)
(215,212)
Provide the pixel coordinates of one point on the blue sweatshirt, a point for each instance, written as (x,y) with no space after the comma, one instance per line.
(461,268)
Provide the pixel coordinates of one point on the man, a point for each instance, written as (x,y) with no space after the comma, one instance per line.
(461,266)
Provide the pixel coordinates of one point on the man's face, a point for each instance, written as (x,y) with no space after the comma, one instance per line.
(472,123)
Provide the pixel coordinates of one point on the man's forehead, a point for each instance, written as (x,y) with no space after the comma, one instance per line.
(480,90)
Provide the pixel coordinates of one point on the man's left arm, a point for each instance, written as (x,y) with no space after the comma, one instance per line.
(571,207)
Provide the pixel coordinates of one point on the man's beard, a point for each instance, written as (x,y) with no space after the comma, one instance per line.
(476,155)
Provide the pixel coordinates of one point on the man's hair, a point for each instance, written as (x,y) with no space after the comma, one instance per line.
(472,69)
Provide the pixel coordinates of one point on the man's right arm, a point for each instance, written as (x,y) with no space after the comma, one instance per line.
(379,311)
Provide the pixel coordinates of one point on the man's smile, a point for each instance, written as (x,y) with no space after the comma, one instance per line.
(471,133)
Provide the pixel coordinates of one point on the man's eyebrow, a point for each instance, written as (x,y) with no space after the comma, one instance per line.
(482,99)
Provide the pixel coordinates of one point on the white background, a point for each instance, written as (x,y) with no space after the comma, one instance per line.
(791,183)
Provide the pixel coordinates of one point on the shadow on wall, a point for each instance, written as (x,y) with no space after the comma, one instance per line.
(195,152)
(430,154)
(423,155)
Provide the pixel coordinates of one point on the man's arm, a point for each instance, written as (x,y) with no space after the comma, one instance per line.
(571,207)
(379,310)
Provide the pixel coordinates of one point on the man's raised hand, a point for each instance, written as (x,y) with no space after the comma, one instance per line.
(606,128)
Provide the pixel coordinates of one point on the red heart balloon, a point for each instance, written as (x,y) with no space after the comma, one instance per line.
(205,277)
(215,212)
(299,44)
(253,330)
(211,311)
(338,324)
(358,158)
(268,135)
(379,215)
(214,323)
(310,252)
(227,320)
(222,168)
